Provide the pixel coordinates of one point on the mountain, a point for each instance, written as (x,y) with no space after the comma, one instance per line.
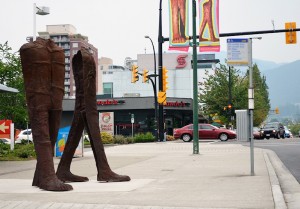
(262,64)
(284,85)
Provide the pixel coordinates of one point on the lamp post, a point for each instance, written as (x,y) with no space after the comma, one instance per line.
(155,87)
(160,81)
(251,104)
(38,11)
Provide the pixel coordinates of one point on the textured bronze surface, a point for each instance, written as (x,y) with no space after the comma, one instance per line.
(43,66)
(86,115)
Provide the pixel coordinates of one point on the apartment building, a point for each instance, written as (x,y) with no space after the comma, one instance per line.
(66,37)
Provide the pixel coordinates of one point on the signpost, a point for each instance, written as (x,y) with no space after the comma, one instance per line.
(237,52)
(132,122)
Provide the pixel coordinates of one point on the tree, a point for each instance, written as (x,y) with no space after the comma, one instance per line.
(214,94)
(12,105)
(261,97)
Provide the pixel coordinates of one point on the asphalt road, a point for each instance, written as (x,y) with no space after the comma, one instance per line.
(288,150)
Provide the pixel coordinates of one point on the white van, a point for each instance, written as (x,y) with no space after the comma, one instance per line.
(24,135)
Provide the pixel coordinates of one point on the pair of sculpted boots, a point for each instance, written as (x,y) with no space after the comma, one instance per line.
(43,66)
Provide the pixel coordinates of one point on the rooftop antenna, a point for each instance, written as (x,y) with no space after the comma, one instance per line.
(273,24)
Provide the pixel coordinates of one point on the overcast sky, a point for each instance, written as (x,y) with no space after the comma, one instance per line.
(117,27)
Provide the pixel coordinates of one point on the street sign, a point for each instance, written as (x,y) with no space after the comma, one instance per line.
(291,36)
(5,126)
(237,52)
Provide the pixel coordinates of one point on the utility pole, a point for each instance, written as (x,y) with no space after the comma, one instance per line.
(195,86)
(160,79)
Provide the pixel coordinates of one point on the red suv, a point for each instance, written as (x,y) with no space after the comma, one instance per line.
(206,131)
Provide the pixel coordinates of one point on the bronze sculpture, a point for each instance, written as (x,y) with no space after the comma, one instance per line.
(43,66)
(86,115)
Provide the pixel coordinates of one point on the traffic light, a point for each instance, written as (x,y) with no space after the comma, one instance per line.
(164,78)
(276,110)
(291,36)
(229,106)
(145,76)
(134,74)
(162,97)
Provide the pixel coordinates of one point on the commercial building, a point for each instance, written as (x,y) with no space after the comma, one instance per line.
(126,100)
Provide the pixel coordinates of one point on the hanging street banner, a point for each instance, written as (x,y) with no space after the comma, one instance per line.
(237,52)
(106,122)
(179,25)
(209,38)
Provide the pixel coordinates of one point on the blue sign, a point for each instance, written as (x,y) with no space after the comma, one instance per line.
(238,52)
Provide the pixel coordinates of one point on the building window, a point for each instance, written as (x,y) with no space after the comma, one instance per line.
(75,45)
(108,89)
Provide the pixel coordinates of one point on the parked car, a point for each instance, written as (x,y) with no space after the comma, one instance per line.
(4,141)
(287,132)
(273,130)
(206,131)
(24,135)
(257,133)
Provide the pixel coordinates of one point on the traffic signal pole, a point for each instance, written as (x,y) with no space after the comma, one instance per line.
(161,40)
(195,86)
(160,79)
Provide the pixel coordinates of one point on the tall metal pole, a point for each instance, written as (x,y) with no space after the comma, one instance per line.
(230,96)
(34,22)
(160,80)
(251,107)
(195,86)
(154,87)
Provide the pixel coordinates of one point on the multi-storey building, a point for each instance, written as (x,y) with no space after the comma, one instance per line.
(126,100)
(67,38)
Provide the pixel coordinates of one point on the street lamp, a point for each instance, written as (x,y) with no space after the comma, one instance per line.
(155,96)
(38,11)
(251,103)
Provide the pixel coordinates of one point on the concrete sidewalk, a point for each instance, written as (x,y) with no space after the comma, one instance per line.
(164,175)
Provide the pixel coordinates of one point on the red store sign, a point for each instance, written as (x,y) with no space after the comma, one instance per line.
(177,104)
(181,61)
(110,102)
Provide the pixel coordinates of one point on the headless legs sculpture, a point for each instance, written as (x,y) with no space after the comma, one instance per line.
(86,115)
(44,70)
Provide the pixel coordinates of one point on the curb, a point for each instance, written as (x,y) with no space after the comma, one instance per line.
(278,197)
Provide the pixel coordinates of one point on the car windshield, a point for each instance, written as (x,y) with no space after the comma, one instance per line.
(271,125)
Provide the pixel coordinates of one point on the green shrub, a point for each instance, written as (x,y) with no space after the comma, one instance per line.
(120,139)
(25,151)
(20,152)
(4,149)
(107,138)
(147,137)
(130,140)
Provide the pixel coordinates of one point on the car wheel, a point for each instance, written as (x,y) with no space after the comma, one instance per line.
(278,135)
(186,138)
(267,137)
(283,136)
(223,137)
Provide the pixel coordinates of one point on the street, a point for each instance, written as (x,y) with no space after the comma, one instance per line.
(287,150)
